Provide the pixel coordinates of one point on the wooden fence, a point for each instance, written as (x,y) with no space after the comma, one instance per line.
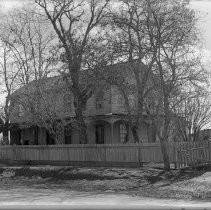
(194,153)
(107,153)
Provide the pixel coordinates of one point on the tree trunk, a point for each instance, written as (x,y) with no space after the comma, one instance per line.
(81,125)
(164,138)
(6,133)
(83,133)
(135,134)
(163,141)
(78,101)
(165,155)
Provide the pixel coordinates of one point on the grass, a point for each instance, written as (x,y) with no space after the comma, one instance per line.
(145,182)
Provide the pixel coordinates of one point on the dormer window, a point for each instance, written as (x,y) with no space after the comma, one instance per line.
(83,106)
(12,105)
(67,102)
(99,100)
(20,110)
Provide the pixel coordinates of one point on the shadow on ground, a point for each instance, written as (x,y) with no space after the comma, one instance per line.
(78,173)
(174,176)
(58,174)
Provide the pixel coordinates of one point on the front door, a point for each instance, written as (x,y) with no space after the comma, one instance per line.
(49,139)
(100,134)
(68,136)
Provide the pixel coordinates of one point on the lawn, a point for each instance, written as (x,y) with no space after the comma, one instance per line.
(142,182)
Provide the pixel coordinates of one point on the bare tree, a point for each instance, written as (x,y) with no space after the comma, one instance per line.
(171,27)
(193,115)
(27,54)
(9,73)
(40,107)
(32,43)
(128,43)
(77,25)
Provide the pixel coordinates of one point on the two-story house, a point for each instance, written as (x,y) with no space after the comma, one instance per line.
(105,115)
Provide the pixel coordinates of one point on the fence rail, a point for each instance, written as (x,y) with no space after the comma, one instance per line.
(182,154)
(195,154)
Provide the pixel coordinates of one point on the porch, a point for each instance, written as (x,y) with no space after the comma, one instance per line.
(103,129)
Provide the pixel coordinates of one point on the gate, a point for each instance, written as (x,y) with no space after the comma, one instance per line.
(195,154)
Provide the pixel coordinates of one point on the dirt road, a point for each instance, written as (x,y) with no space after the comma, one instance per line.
(62,198)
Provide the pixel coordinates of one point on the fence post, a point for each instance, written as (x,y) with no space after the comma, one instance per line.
(105,158)
(139,163)
(178,158)
(174,155)
(13,153)
(139,155)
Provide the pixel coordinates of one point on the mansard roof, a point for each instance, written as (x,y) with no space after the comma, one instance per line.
(58,82)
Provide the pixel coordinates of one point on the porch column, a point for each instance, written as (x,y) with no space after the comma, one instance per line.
(112,132)
(90,138)
(129,133)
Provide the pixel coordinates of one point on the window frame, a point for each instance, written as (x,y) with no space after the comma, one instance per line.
(99,100)
(123,132)
(21,110)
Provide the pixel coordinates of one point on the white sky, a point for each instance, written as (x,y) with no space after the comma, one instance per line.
(9,4)
(204,6)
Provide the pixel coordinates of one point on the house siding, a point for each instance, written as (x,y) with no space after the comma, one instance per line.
(92,110)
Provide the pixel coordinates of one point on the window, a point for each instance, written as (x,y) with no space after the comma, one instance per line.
(20,110)
(83,106)
(67,102)
(99,100)
(123,133)
(132,100)
(121,100)
(151,133)
(68,134)
(100,134)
